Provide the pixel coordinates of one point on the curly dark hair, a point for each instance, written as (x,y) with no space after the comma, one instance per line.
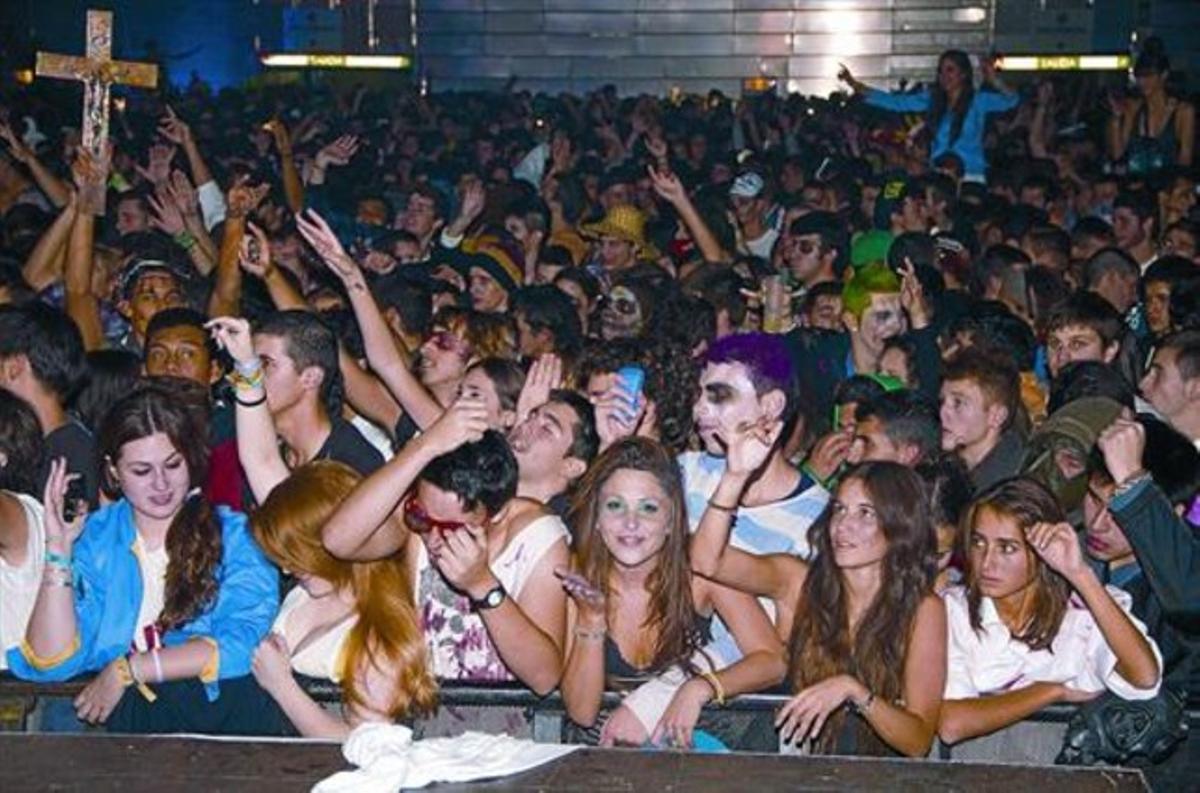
(672,380)
(193,542)
(23,446)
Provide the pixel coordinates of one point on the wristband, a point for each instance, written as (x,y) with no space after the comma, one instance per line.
(185,240)
(57,560)
(158,672)
(128,678)
(715,684)
(597,635)
(1130,482)
(722,507)
(252,403)
(248,368)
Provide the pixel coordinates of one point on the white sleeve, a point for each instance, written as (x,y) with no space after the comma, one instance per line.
(959,638)
(212,203)
(1101,664)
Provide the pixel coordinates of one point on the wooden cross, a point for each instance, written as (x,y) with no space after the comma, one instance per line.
(98,72)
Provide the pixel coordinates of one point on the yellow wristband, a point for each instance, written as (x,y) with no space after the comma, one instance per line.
(715,684)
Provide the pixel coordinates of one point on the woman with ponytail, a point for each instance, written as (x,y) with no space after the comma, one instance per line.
(350,622)
(160,594)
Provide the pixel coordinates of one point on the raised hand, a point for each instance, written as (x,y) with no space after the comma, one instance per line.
(63,523)
(912,295)
(174,129)
(339,152)
(232,334)
(1123,443)
(164,212)
(88,171)
(474,197)
(158,167)
(320,236)
(1058,546)
(279,133)
(254,256)
(829,453)
(544,376)
(16,147)
(465,421)
(667,185)
(750,446)
(183,195)
(243,198)
(618,414)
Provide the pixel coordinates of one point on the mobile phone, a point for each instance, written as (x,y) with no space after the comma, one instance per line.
(74,501)
(632,378)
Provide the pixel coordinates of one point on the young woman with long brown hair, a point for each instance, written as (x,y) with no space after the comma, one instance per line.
(350,622)
(162,591)
(636,610)
(1034,625)
(867,634)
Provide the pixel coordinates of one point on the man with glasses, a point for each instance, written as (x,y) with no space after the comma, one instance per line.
(815,248)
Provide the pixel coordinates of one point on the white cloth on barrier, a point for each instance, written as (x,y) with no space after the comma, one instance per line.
(389,760)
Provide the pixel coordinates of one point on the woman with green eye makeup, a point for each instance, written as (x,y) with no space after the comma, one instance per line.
(638,618)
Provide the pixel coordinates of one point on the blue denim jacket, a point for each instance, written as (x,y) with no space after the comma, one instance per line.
(108,596)
(969,144)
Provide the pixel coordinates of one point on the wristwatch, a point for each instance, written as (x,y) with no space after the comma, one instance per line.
(493,598)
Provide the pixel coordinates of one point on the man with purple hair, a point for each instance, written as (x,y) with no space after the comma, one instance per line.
(748,379)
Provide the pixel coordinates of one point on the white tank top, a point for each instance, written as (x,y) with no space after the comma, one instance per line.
(19,584)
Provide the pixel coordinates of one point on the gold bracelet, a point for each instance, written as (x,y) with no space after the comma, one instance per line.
(715,684)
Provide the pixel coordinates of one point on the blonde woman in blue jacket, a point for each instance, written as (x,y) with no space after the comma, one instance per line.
(161,595)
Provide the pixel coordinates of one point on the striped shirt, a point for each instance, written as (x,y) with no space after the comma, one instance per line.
(778,527)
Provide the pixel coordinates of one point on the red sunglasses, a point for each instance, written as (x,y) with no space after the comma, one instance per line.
(420,522)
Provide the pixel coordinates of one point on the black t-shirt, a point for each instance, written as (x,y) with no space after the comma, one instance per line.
(73,441)
(346,445)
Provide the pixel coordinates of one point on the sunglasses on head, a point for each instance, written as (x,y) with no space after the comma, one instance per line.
(420,522)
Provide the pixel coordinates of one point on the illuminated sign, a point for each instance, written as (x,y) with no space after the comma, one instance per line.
(1062,63)
(312,60)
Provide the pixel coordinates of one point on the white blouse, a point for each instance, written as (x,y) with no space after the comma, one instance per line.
(322,657)
(992,662)
(19,584)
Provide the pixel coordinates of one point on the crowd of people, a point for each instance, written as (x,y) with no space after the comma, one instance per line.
(889,400)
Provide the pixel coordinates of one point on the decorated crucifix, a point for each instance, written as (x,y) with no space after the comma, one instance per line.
(98,72)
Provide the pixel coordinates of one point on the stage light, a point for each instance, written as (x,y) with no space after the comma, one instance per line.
(310,60)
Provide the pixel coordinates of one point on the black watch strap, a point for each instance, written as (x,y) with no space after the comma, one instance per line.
(491,599)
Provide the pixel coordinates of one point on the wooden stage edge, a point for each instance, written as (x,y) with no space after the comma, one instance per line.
(166,764)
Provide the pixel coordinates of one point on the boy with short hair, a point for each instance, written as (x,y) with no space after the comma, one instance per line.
(981,397)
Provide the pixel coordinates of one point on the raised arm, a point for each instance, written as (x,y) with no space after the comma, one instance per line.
(899,102)
(773,575)
(1058,546)
(1186,134)
(81,302)
(668,186)
(57,190)
(45,263)
(365,527)
(227,292)
(293,185)
(258,445)
(383,356)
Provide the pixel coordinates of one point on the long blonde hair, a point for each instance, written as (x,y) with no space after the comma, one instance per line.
(388,633)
